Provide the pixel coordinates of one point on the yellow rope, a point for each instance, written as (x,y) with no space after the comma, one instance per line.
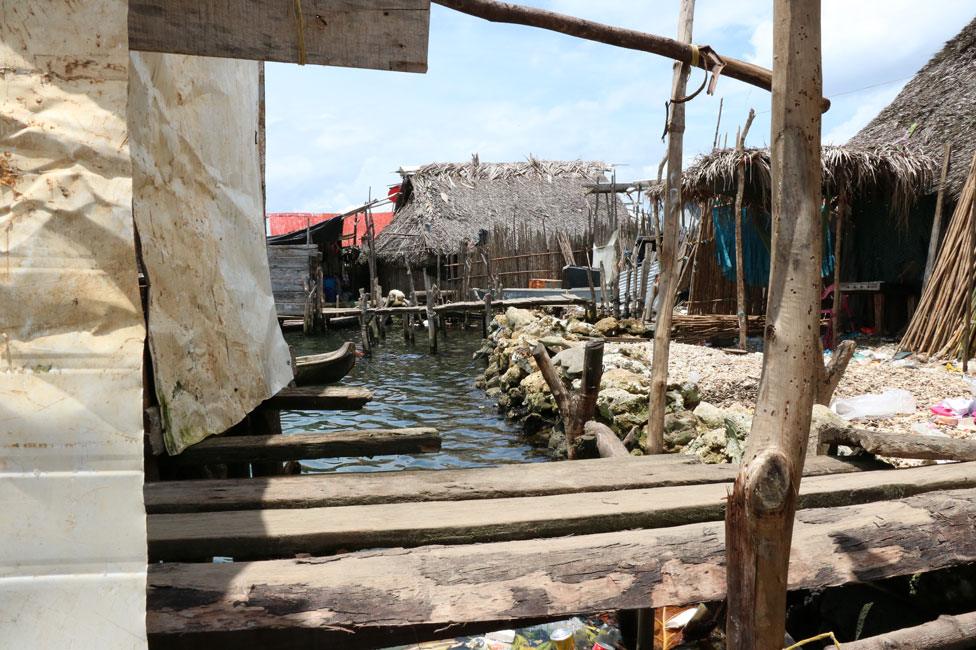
(302,57)
(819,637)
(695,55)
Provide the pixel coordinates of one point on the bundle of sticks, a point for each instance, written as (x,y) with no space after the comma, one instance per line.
(695,329)
(940,326)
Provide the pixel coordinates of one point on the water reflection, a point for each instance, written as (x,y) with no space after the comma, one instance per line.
(412,388)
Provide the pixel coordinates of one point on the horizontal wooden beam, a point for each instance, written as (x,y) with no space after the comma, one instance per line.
(900,445)
(366,488)
(318,398)
(250,534)
(374,598)
(299,446)
(374,34)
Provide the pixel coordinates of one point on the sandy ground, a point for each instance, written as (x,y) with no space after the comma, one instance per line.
(726,380)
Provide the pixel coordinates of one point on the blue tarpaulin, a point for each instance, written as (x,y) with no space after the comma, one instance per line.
(756,230)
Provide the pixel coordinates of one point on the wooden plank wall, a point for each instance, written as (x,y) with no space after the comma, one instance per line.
(291,266)
(516,255)
(373,34)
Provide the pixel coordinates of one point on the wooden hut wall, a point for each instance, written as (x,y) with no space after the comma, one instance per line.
(291,266)
(516,255)
(711,292)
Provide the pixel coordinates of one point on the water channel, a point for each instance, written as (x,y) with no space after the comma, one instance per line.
(412,388)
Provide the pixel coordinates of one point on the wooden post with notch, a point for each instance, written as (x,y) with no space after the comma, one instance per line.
(759,515)
(669,242)
(576,410)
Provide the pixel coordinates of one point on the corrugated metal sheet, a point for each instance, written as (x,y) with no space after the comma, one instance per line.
(72,521)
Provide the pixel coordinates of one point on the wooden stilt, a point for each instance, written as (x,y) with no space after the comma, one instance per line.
(740,272)
(487,317)
(431,323)
(363,324)
(842,207)
(759,519)
(937,218)
(669,242)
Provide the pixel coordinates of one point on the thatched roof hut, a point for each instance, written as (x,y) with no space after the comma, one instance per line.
(899,172)
(442,204)
(936,107)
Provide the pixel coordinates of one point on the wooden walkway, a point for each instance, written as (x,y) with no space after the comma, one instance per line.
(491,546)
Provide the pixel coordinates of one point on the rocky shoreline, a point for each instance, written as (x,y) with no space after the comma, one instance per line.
(710,403)
(513,380)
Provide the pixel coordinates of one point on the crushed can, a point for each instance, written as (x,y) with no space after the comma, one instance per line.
(562,639)
(603,645)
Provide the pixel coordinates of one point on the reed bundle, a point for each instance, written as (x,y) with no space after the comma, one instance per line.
(938,327)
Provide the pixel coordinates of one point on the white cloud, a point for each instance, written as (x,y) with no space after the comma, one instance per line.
(507,91)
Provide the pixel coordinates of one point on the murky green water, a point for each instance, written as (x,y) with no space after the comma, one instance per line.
(412,388)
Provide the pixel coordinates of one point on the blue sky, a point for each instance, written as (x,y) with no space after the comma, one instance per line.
(506,92)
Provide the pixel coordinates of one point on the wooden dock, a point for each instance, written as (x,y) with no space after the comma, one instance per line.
(446,550)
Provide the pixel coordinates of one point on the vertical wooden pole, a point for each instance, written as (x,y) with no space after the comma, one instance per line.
(669,242)
(718,123)
(937,220)
(363,323)
(843,203)
(759,515)
(740,272)
(487,318)
(431,324)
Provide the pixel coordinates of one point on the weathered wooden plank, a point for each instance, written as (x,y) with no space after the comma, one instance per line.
(375,34)
(900,445)
(369,599)
(538,479)
(298,446)
(318,398)
(249,534)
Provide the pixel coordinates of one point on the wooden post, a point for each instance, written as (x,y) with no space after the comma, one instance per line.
(487,318)
(431,324)
(669,242)
(759,514)
(937,219)
(575,411)
(843,202)
(363,324)
(740,272)
(589,280)
(718,123)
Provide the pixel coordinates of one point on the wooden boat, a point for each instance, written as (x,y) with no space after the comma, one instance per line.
(328,368)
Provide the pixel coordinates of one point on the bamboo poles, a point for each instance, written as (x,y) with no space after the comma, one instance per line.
(936,327)
(740,272)
(669,244)
(843,204)
(759,515)
(937,218)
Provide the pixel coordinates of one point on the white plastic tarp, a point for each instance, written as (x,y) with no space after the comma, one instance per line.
(72,521)
(216,346)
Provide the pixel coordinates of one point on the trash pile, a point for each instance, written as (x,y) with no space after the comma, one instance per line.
(592,633)
(712,393)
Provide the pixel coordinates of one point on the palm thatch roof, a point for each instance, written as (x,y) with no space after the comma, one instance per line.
(442,204)
(937,106)
(901,173)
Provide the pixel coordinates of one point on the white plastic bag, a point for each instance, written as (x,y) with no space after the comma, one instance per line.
(889,403)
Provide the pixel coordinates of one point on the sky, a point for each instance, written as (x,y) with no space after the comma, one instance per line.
(507,92)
